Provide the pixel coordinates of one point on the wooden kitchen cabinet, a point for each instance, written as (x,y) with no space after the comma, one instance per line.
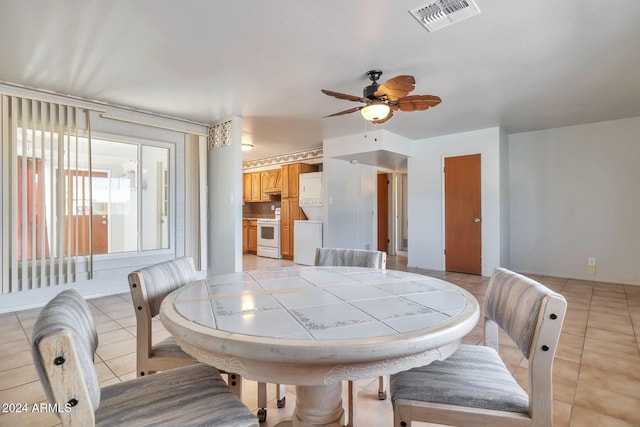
(253,240)
(259,185)
(289,209)
(247,187)
(256,188)
(249,236)
(264,181)
(286,230)
(245,236)
(273,181)
(290,177)
(284,178)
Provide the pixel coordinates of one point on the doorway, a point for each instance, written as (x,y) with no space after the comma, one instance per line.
(463,219)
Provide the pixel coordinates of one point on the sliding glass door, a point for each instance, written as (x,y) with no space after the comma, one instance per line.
(68,198)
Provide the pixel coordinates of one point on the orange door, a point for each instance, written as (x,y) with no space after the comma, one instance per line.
(463,219)
(383,212)
(34,211)
(76,222)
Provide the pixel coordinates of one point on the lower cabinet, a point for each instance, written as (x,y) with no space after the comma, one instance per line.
(290,211)
(249,236)
(286,248)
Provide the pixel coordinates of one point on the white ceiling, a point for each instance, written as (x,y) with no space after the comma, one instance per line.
(519,65)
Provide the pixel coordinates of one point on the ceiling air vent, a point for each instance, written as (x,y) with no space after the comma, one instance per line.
(442,13)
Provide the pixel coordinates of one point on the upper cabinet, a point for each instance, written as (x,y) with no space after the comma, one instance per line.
(259,185)
(247,187)
(256,189)
(274,181)
(291,176)
(290,210)
(264,180)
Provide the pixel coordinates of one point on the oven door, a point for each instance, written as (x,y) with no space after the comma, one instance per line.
(268,234)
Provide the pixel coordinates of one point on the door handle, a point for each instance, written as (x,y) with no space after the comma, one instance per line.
(476,219)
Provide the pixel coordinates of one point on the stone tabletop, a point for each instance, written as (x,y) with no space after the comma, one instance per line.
(321,303)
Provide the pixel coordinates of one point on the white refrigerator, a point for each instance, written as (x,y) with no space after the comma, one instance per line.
(307,236)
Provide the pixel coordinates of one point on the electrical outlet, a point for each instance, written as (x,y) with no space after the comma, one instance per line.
(592,270)
(591,261)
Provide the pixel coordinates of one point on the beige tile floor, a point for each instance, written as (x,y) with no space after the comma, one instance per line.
(596,371)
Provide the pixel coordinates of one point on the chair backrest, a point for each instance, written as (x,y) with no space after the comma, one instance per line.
(351,257)
(532,315)
(63,345)
(514,302)
(151,284)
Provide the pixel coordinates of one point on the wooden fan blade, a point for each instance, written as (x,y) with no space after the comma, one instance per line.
(350,110)
(385,119)
(418,102)
(344,96)
(396,87)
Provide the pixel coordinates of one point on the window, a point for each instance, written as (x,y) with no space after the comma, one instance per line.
(100,207)
(70,198)
(97,211)
(155,198)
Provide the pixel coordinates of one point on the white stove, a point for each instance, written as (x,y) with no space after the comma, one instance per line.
(269,237)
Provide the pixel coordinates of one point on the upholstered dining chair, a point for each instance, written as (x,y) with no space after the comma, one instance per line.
(473,387)
(354,258)
(63,346)
(351,257)
(148,287)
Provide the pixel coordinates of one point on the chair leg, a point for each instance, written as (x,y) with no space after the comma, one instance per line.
(401,415)
(235,384)
(352,405)
(280,395)
(262,402)
(383,383)
(397,421)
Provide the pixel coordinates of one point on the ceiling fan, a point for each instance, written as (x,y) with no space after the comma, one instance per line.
(381,100)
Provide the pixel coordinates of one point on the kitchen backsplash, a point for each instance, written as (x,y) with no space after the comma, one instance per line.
(259,209)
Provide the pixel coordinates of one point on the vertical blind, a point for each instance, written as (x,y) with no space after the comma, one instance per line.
(46,194)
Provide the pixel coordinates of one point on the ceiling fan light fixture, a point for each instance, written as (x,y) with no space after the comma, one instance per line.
(375,111)
(247,146)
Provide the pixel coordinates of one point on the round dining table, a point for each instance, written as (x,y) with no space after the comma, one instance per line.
(315,327)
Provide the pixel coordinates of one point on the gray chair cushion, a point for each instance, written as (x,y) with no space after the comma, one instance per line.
(351,257)
(194,395)
(68,311)
(474,376)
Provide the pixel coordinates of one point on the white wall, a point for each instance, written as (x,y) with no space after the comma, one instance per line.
(373,141)
(225,205)
(350,211)
(574,195)
(505,212)
(425,196)
(349,214)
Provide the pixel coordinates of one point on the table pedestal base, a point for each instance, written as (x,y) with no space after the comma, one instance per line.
(317,406)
